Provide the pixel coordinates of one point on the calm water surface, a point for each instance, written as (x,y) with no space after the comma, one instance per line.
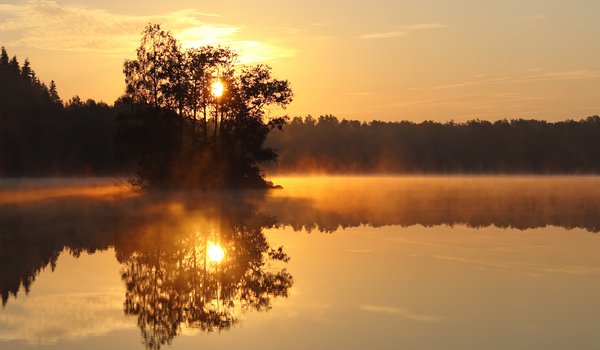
(326,263)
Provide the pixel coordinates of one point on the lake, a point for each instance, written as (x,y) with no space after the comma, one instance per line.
(382,262)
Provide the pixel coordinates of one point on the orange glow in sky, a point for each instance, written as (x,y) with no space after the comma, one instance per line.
(380,59)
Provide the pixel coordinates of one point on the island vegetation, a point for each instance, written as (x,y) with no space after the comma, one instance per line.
(197,119)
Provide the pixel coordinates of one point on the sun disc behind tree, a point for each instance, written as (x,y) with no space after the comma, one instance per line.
(187,130)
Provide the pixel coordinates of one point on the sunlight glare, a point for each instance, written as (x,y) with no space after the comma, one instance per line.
(217,89)
(215,252)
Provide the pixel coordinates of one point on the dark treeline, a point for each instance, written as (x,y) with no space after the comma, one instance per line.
(328,145)
(40,135)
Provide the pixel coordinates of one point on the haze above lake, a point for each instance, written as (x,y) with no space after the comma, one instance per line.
(326,262)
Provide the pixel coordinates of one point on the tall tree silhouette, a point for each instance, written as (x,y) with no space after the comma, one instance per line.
(153,78)
(171,88)
(204,64)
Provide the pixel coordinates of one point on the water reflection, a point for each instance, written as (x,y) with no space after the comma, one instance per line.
(328,203)
(184,264)
(191,261)
(185,278)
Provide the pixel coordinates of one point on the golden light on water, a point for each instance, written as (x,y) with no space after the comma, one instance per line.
(217,88)
(215,252)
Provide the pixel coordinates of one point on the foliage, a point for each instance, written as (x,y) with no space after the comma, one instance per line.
(177,142)
(40,136)
(183,135)
(328,145)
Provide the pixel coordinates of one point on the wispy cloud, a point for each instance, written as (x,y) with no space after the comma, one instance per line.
(48,25)
(424,26)
(536,17)
(406,30)
(64,317)
(392,310)
(384,35)
(473,82)
(565,269)
(476,104)
(566,75)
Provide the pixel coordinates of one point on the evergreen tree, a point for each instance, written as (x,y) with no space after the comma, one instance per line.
(39,137)
(3,58)
(26,72)
(13,67)
(53,93)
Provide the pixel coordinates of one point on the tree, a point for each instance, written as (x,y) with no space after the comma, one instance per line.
(204,64)
(27,72)
(156,77)
(3,58)
(13,66)
(53,93)
(171,89)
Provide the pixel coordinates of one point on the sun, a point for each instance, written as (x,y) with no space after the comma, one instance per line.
(215,252)
(217,88)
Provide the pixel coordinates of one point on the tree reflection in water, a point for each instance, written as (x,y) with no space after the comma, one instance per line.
(162,241)
(172,282)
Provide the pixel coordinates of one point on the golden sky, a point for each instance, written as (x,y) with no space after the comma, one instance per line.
(387,60)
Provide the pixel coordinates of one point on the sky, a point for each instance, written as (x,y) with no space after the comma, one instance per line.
(386,60)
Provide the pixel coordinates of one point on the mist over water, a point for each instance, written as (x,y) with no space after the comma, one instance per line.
(329,202)
(324,255)
(478,201)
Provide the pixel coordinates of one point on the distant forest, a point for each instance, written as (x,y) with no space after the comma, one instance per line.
(40,135)
(327,145)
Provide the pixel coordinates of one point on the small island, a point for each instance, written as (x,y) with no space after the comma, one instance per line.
(196,119)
